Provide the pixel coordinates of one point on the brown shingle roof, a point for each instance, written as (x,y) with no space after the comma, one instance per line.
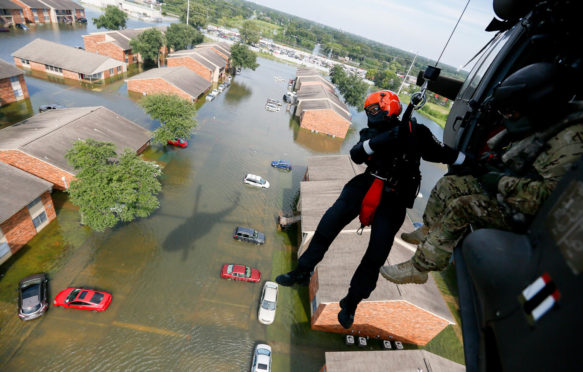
(17,189)
(48,136)
(222,47)
(65,57)
(318,93)
(122,37)
(397,360)
(8,70)
(62,4)
(35,4)
(181,77)
(205,56)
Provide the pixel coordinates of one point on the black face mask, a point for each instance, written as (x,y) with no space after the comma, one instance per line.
(518,127)
(382,121)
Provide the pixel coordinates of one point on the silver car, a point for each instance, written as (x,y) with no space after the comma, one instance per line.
(32,296)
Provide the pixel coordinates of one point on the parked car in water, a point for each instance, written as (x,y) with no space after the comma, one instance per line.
(178,142)
(268,303)
(83,299)
(221,87)
(215,92)
(240,272)
(281,164)
(261,359)
(52,106)
(254,180)
(32,296)
(22,26)
(249,235)
(81,20)
(210,97)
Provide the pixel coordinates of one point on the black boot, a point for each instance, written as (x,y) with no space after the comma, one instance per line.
(348,307)
(296,276)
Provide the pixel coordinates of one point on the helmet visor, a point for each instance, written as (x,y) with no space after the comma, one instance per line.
(372,110)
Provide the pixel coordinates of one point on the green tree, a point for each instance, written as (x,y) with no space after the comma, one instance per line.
(370,74)
(352,87)
(175,115)
(250,32)
(180,36)
(148,44)
(197,16)
(387,79)
(108,191)
(242,56)
(113,19)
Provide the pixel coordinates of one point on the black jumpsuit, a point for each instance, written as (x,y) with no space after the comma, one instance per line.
(396,158)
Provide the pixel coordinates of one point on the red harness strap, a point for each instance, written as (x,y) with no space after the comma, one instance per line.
(370,203)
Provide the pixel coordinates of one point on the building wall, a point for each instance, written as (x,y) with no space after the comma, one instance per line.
(325,121)
(70,75)
(192,65)
(19,229)
(7,91)
(17,15)
(397,319)
(66,73)
(27,12)
(79,13)
(96,44)
(153,86)
(36,167)
(90,42)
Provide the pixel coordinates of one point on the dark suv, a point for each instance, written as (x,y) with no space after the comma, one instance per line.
(249,235)
(32,296)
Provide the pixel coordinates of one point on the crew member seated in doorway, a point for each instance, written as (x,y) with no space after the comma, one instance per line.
(543,138)
(392,151)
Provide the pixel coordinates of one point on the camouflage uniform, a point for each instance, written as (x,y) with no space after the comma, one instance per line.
(456,202)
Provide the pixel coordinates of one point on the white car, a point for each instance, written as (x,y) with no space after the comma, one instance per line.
(261,359)
(210,97)
(215,92)
(266,313)
(254,180)
(221,87)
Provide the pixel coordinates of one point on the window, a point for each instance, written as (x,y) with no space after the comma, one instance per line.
(25,61)
(18,93)
(111,71)
(54,69)
(4,247)
(33,203)
(14,79)
(118,69)
(39,220)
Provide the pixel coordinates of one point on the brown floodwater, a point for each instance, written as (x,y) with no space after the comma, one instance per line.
(170,309)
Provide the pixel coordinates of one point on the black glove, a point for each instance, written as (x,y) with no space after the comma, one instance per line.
(489,181)
(469,167)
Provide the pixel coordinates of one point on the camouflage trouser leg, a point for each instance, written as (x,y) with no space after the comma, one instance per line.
(478,210)
(445,190)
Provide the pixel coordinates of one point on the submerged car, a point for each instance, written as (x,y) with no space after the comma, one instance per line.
(281,164)
(83,299)
(261,359)
(32,296)
(210,97)
(240,272)
(221,87)
(215,92)
(254,180)
(268,303)
(178,142)
(249,235)
(53,106)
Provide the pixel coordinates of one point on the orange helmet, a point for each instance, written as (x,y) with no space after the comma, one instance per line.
(382,101)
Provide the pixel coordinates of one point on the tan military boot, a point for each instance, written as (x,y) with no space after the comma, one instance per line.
(403,273)
(417,236)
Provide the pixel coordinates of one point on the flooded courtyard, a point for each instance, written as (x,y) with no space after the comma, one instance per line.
(171,310)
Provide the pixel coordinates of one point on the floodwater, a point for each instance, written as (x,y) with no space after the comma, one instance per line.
(170,309)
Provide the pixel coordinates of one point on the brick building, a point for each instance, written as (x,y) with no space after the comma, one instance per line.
(381,361)
(204,60)
(221,48)
(34,11)
(115,44)
(409,313)
(320,110)
(38,145)
(64,11)
(170,80)
(26,208)
(66,62)
(310,76)
(10,13)
(12,84)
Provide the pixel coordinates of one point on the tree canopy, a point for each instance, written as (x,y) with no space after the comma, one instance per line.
(113,19)
(242,56)
(109,191)
(175,115)
(353,89)
(387,79)
(180,36)
(148,44)
(250,32)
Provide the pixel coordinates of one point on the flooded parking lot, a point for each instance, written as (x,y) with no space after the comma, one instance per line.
(170,309)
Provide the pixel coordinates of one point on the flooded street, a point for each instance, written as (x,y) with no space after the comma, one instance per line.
(171,310)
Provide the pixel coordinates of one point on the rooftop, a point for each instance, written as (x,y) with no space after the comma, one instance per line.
(8,70)
(397,360)
(62,4)
(49,135)
(222,47)
(17,189)
(35,4)
(181,77)
(122,37)
(320,93)
(65,57)
(204,55)
(7,4)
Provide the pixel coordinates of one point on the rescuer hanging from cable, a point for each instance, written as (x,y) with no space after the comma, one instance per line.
(391,149)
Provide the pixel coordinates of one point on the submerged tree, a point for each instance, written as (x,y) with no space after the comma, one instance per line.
(175,115)
(148,44)
(242,56)
(180,36)
(113,19)
(110,189)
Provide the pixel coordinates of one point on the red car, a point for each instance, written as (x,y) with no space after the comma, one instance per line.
(83,299)
(240,272)
(178,142)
